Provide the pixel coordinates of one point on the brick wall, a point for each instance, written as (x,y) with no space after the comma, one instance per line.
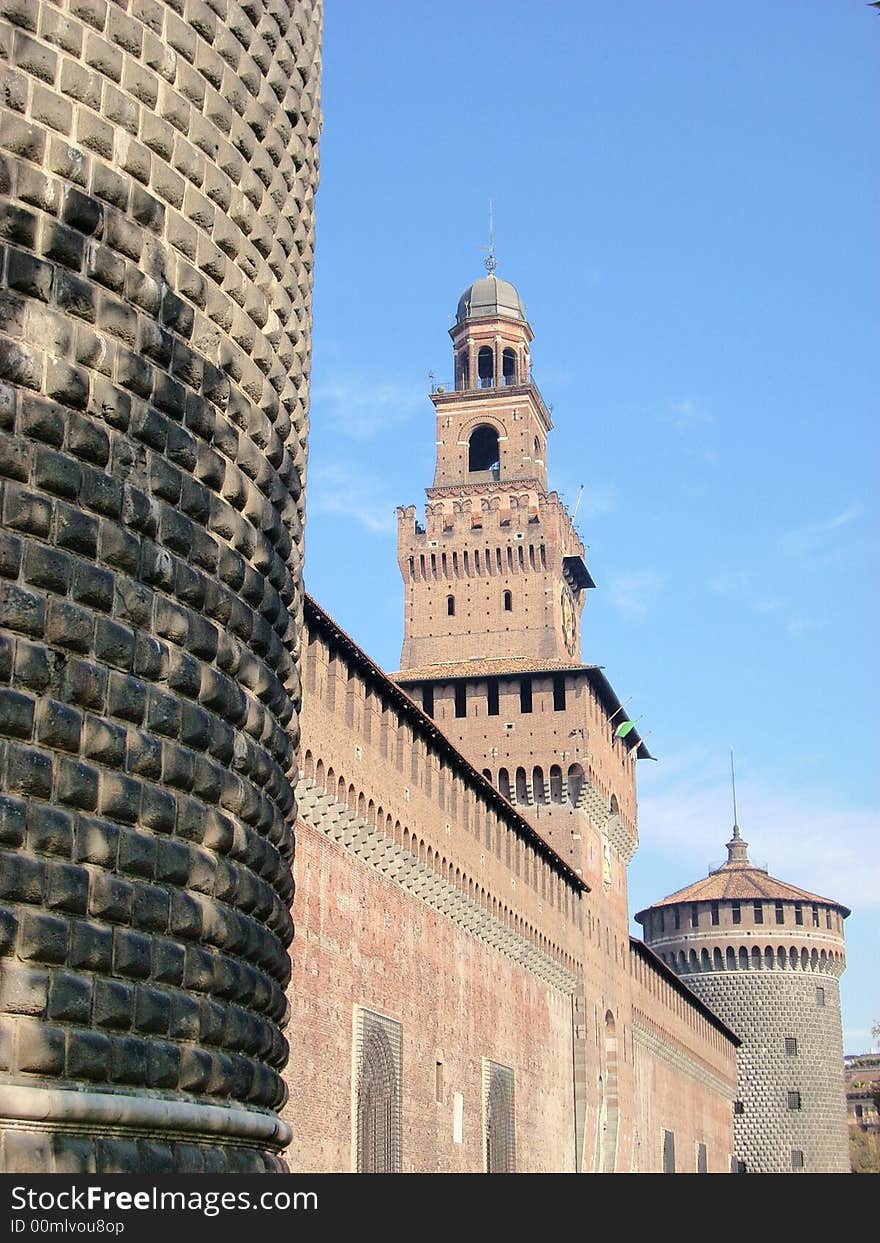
(422,895)
(363,940)
(685,1073)
(158,169)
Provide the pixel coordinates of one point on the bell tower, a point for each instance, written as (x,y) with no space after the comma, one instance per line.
(494,587)
(498,569)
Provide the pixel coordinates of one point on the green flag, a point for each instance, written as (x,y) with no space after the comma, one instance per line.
(625,728)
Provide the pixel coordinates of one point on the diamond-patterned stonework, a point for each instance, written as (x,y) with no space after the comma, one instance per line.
(158,167)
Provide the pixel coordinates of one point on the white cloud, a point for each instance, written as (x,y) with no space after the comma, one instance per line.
(337,488)
(823,846)
(362,408)
(687,416)
(633,592)
(816,543)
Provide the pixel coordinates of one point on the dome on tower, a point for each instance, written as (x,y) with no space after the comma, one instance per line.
(741,880)
(487,297)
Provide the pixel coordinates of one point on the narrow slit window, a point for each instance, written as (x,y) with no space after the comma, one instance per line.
(525,695)
(428,700)
(559,693)
(460,699)
(735,913)
(450,606)
(508,602)
(492,699)
(759,912)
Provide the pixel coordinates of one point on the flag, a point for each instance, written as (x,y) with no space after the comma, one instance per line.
(625,728)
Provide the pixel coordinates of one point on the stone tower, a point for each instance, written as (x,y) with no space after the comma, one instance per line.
(767,958)
(158,172)
(495,584)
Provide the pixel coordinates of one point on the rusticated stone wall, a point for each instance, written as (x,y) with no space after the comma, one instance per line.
(158,170)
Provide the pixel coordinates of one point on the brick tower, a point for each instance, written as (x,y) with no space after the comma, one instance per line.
(767,958)
(158,166)
(495,585)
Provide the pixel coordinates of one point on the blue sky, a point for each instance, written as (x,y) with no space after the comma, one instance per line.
(685,196)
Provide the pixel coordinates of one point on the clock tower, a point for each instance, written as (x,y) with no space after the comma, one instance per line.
(498,569)
(495,585)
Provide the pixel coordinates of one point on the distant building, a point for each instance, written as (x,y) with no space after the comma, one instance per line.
(767,958)
(862,1077)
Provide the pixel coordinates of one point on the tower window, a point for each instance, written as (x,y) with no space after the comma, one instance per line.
(794,1100)
(486,367)
(780,913)
(714,913)
(508,367)
(702,1164)
(820,997)
(668,1152)
(428,700)
(460,699)
(798,913)
(492,699)
(483,449)
(677,915)
(525,695)
(815,917)
(450,606)
(695,915)
(735,912)
(759,912)
(738,1108)
(797,1159)
(508,602)
(791,1046)
(559,693)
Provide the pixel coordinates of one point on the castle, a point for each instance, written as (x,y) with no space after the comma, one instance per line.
(189,745)
(462,965)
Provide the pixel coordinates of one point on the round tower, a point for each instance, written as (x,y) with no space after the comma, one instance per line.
(767,957)
(157,181)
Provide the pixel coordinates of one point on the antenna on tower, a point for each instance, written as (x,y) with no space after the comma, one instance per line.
(733,788)
(577,503)
(491,263)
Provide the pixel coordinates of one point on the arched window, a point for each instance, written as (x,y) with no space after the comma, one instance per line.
(522,790)
(483,449)
(463,374)
(555,784)
(508,601)
(538,791)
(508,367)
(378,1095)
(611,1108)
(575,784)
(500,1119)
(504,783)
(486,367)
(450,606)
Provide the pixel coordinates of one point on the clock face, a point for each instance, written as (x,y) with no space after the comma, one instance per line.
(569,622)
